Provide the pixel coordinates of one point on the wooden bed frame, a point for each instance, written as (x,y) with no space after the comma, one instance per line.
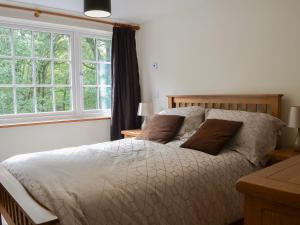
(265,103)
(19,208)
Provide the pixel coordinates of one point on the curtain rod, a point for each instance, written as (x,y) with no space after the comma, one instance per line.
(38,12)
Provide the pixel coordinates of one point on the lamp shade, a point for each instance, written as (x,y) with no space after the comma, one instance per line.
(97,8)
(294,118)
(145,109)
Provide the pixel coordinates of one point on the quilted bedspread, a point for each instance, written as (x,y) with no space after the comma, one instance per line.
(134,182)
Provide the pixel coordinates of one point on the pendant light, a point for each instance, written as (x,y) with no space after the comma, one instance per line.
(97,8)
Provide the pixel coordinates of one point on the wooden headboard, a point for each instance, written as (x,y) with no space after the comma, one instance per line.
(265,103)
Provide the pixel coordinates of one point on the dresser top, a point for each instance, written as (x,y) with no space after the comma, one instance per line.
(279,183)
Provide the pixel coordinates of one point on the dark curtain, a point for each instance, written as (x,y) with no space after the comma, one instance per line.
(126,92)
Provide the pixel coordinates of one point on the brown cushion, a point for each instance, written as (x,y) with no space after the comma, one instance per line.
(212,136)
(162,128)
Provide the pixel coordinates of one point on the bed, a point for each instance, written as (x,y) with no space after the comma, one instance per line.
(138,182)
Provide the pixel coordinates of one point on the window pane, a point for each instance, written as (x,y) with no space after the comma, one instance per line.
(22,40)
(42,44)
(35,61)
(105,97)
(96,73)
(6,101)
(89,73)
(43,71)
(5,47)
(5,72)
(25,100)
(23,71)
(88,47)
(44,99)
(63,99)
(90,98)
(103,50)
(61,46)
(104,74)
(62,73)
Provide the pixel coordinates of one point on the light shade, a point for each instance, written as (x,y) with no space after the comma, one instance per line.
(97,8)
(294,118)
(145,109)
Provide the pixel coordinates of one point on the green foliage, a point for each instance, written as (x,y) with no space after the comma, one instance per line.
(43,71)
(35,60)
(62,73)
(5,48)
(42,44)
(61,46)
(88,47)
(44,99)
(62,96)
(90,98)
(5,72)
(25,100)
(23,72)
(89,74)
(6,101)
(22,42)
(96,73)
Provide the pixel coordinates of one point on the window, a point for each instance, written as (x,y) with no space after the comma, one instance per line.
(38,75)
(95,58)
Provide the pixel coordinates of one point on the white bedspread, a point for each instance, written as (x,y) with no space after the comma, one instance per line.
(134,182)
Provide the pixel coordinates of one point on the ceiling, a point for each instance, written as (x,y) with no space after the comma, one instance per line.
(134,11)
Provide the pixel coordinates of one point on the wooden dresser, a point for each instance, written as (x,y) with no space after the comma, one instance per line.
(272,195)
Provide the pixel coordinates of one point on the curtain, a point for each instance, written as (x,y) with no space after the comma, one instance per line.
(126,92)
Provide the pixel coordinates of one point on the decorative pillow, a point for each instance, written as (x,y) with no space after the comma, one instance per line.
(162,128)
(194,116)
(256,138)
(212,136)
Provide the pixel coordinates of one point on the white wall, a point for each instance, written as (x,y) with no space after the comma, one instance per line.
(47,137)
(70,5)
(232,46)
(22,140)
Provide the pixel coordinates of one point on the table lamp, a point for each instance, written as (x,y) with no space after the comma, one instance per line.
(294,122)
(145,110)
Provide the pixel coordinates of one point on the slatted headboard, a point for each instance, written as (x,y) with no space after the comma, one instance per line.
(265,103)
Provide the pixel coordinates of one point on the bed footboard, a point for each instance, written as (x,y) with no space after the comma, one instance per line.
(18,207)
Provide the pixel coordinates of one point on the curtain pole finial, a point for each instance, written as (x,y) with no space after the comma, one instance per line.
(37,13)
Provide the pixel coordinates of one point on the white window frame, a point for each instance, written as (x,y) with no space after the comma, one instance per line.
(75,69)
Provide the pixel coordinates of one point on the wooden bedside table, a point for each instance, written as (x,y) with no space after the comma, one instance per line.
(272,194)
(280,155)
(131,133)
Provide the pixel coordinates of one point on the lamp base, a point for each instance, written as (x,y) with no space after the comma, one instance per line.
(145,122)
(297,142)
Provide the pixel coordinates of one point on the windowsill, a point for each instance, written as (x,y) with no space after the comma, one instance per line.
(36,123)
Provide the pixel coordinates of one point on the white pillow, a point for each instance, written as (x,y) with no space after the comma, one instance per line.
(257,136)
(194,116)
